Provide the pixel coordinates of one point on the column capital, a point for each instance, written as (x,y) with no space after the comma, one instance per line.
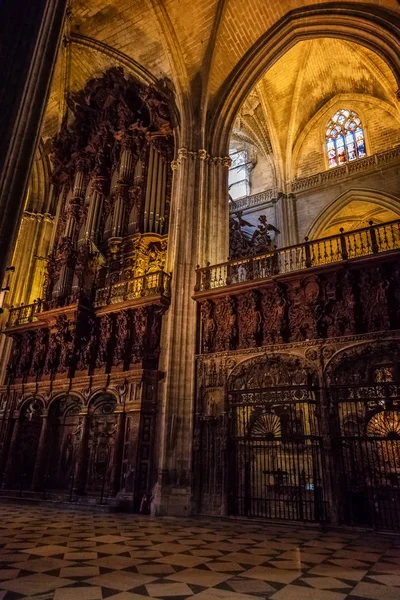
(203,155)
(224,161)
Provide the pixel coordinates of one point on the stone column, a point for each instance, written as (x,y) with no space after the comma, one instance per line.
(198,232)
(30,33)
(118,454)
(172,494)
(42,455)
(215,247)
(82,456)
(9,474)
(286,219)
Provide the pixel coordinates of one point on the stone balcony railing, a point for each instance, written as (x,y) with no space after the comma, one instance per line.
(369,163)
(156,284)
(359,243)
(254,200)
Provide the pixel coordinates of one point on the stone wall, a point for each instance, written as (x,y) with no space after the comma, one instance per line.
(381,127)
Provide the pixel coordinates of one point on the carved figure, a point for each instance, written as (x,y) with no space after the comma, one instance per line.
(155,329)
(15,356)
(139,317)
(242,245)
(39,353)
(53,351)
(52,272)
(374,295)
(26,355)
(86,346)
(105,332)
(274,310)
(160,122)
(249,320)
(122,336)
(226,320)
(239,244)
(341,310)
(306,312)
(209,327)
(261,240)
(396,297)
(66,343)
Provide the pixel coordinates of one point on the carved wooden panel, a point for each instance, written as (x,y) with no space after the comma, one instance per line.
(344,301)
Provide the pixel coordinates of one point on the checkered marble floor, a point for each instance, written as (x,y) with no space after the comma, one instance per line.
(50,553)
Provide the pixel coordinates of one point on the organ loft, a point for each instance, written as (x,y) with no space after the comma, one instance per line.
(199,246)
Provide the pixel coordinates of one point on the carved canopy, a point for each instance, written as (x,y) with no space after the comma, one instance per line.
(271,371)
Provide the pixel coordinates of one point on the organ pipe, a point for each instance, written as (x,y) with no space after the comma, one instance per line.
(153,189)
(148,190)
(154,209)
(163,196)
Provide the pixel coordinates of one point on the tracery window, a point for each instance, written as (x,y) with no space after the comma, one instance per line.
(345,139)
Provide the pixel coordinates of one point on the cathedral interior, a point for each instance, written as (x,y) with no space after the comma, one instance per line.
(199,249)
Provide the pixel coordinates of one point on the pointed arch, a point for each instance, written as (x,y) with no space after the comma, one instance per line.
(375,28)
(323,114)
(384,200)
(135,68)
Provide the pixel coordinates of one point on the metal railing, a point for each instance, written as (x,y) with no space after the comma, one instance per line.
(151,284)
(311,253)
(26,313)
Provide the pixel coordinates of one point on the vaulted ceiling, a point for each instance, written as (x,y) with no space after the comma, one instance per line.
(195,43)
(306,80)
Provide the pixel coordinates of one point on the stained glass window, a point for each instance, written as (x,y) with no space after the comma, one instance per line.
(345,139)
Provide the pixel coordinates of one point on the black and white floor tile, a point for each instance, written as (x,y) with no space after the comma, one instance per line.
(69,555)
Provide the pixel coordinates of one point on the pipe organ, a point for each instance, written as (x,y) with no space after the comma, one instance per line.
(86,355)
(112,174)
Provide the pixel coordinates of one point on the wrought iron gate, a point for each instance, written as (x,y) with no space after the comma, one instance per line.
(275,456)
(368,420)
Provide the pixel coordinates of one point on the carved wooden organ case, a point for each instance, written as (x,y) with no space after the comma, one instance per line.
(113,177)
(106,288)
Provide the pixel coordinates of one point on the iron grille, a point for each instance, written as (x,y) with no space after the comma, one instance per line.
(275,457)
(368,452)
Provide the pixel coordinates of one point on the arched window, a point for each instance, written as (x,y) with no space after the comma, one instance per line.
(239,174)
(345,140)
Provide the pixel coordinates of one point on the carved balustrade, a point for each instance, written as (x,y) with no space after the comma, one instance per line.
(26,313)
(253,200)
(151,284)
(359,243)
